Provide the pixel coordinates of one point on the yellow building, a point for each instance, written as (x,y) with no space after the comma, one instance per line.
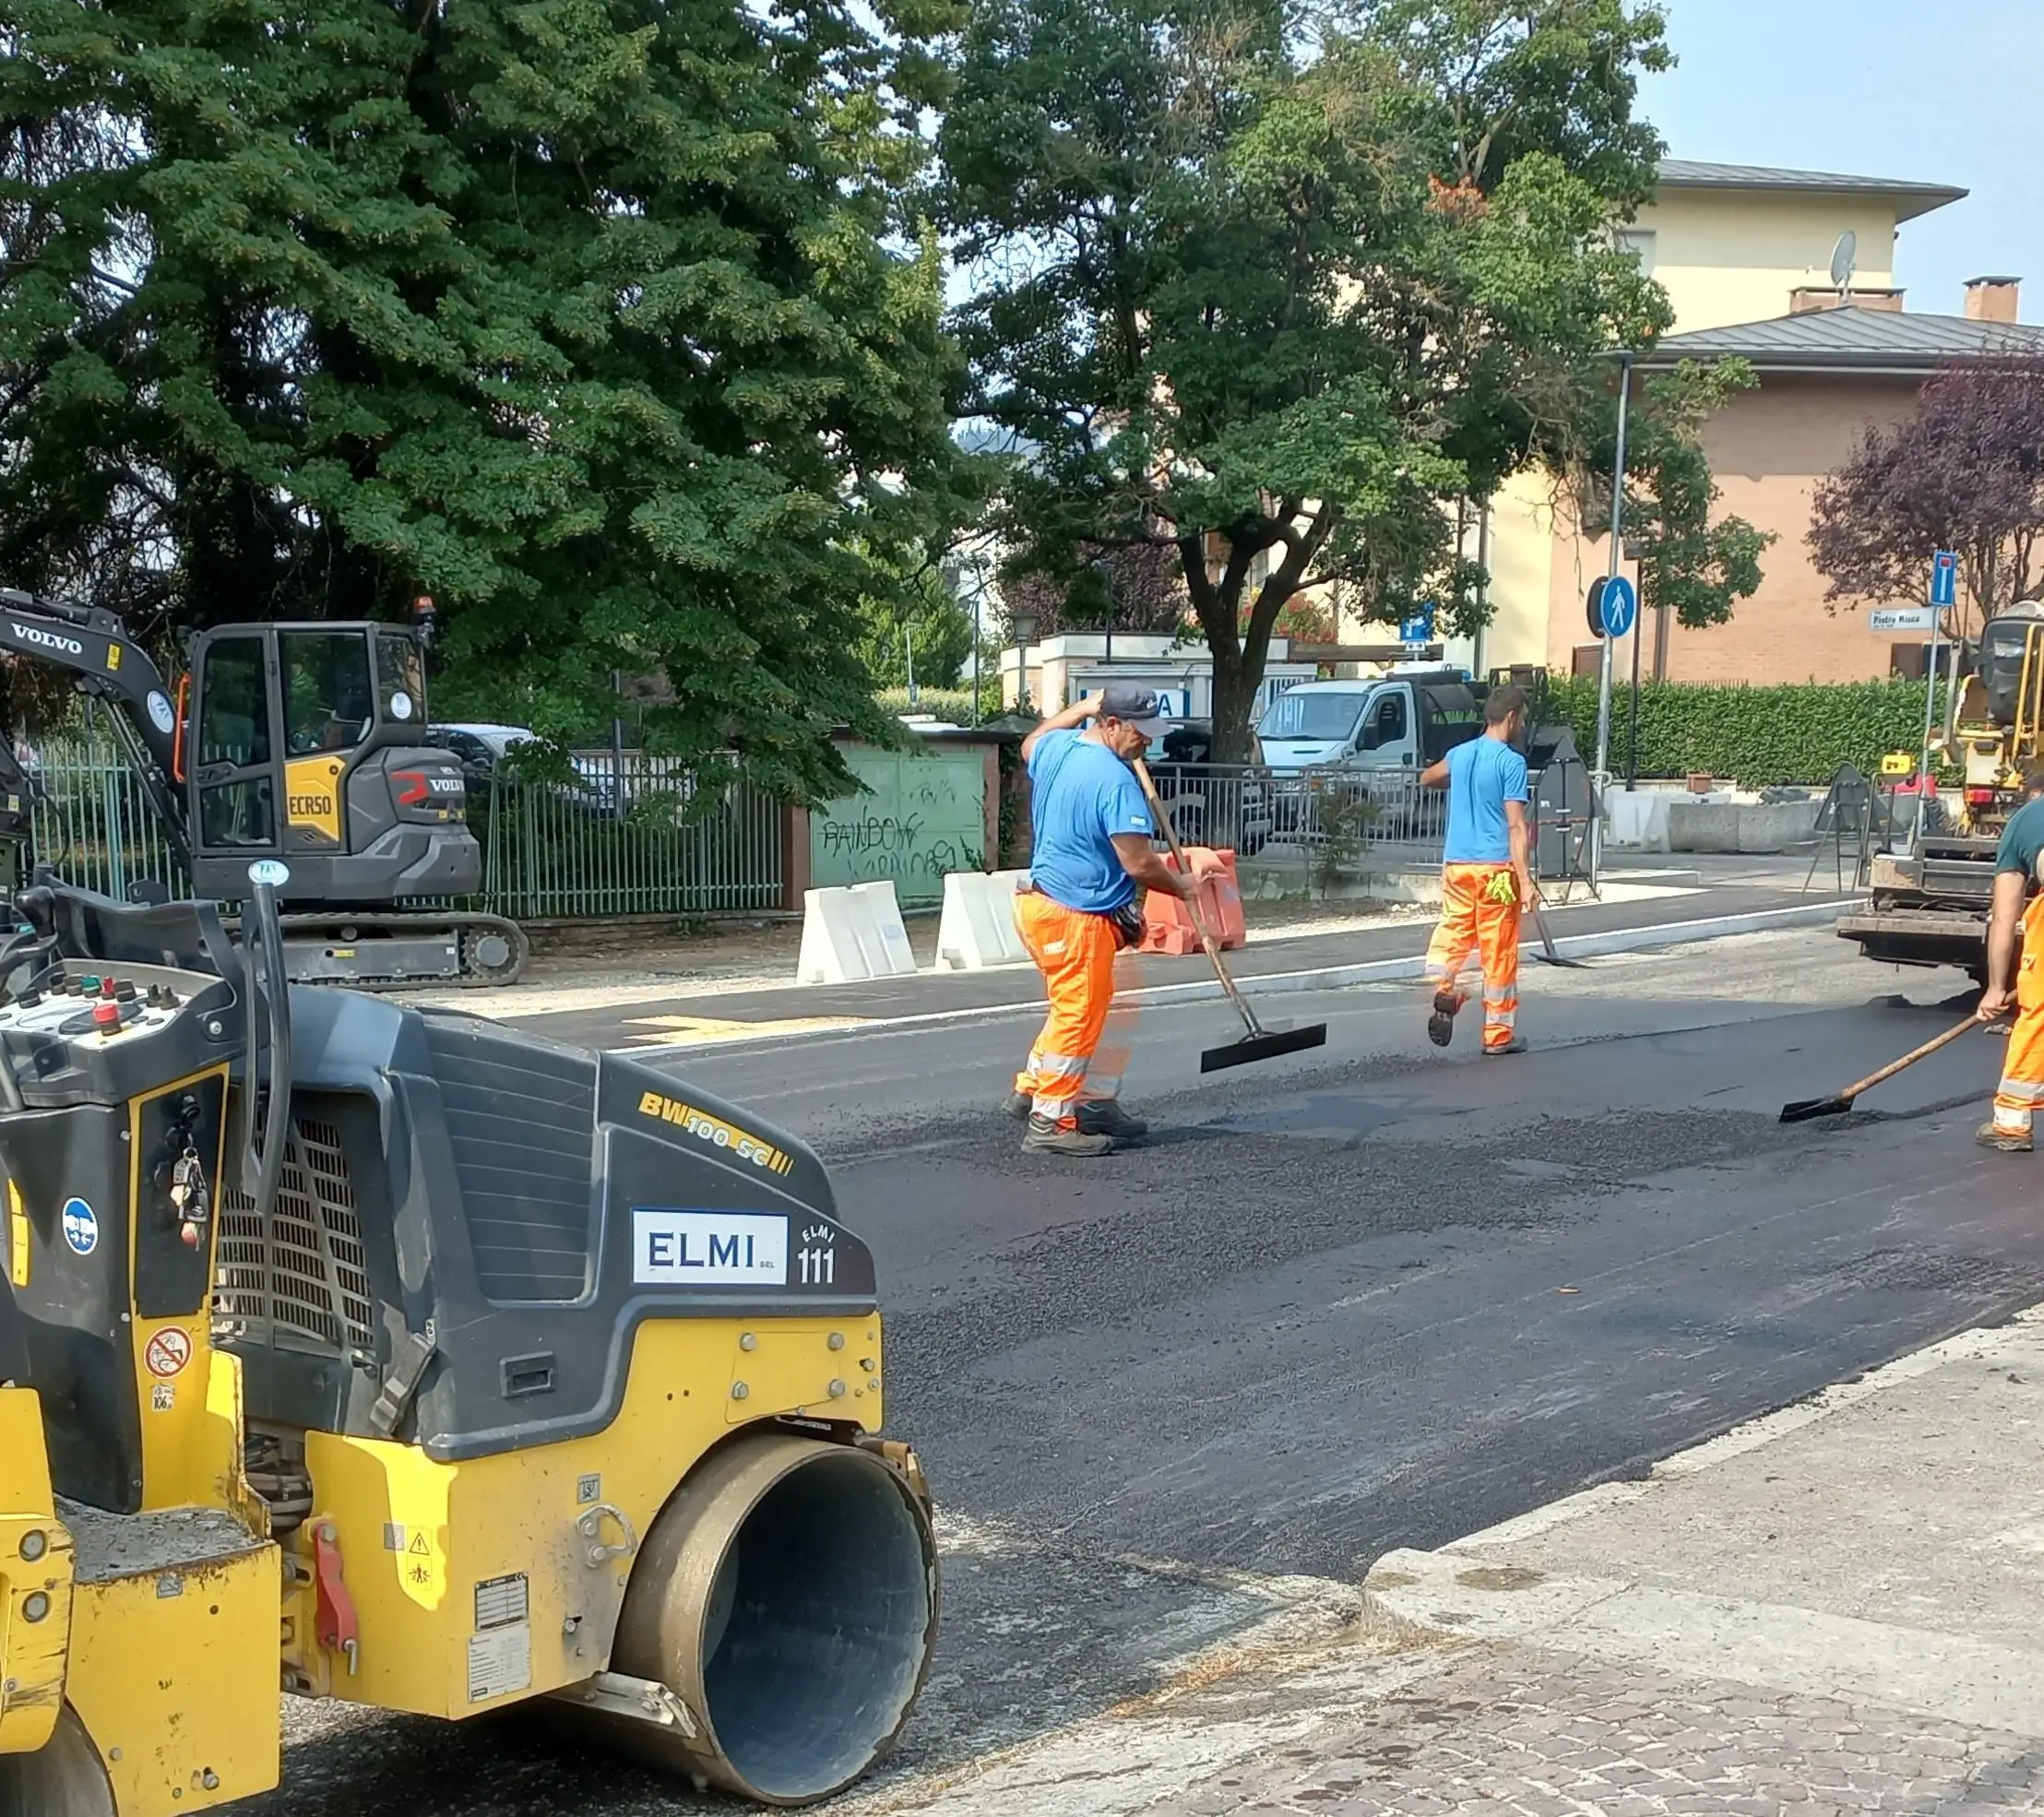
(1731,245)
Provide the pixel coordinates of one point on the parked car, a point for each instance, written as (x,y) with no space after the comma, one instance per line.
(1228,807)
(484,749)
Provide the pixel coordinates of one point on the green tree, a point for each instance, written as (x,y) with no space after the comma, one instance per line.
(1276,291)
(937,626)
(596,319)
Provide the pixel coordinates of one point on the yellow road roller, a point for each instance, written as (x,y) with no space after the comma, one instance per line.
(381,1354)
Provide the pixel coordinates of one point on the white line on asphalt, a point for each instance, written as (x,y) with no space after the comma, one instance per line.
(1327,978)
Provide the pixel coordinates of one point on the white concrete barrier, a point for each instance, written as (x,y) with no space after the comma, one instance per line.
(977,928)
(852,934)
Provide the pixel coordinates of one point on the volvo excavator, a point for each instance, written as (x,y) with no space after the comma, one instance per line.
(390,1356)
(299,743)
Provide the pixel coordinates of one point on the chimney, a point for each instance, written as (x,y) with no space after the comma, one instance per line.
(1992,299)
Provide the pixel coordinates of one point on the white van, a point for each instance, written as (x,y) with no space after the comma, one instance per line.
(1384,723)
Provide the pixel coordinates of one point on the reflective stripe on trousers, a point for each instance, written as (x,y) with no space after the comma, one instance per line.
(1472,926)
(1075,952)
(2023,1068)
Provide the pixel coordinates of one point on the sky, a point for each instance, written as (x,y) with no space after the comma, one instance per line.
(1925,90)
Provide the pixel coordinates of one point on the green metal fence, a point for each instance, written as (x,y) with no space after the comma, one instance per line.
(638,841)
(93,822)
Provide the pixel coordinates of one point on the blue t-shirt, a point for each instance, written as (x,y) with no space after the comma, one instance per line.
(1483,775)
(1081,795)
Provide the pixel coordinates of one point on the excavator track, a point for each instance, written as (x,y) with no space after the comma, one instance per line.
(383,952)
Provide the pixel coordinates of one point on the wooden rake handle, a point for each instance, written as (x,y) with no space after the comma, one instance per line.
(1192,905)
(1911,1059)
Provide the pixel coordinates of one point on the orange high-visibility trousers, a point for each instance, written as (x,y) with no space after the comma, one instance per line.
(2022,1087)
(1075,951)
(1472,924)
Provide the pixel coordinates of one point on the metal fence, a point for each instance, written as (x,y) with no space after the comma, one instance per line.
(92,820)
(645,841)
(640,840)
(1315,814)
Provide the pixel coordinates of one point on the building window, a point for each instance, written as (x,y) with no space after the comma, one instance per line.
(1639,242)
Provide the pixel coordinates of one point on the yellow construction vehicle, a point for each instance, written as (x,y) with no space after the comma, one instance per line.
(391,1357)
(1928,900)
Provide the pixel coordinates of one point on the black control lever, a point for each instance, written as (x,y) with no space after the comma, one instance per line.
(263,936)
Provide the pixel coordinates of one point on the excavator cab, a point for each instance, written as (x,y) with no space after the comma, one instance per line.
(303,744)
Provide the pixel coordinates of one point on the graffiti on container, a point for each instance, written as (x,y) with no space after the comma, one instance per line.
(919,821)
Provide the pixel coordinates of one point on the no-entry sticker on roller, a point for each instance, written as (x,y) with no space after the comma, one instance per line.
(166,1352)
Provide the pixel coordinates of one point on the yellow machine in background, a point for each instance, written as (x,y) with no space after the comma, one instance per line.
(394,1357)
(1997,736)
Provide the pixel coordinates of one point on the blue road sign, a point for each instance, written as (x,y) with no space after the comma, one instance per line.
(1945,579)
(1419,628)
(1618,606)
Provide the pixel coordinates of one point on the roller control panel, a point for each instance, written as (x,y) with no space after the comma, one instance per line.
(105,1032)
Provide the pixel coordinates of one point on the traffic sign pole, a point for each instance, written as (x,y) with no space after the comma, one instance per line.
(1929,695)
(1603,777)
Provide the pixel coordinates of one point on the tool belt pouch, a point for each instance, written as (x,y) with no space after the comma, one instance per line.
(1127,923)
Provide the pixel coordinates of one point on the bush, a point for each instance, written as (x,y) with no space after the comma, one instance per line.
(952,703)
(1753,736)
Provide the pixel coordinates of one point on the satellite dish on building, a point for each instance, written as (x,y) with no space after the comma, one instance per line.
(1845,262)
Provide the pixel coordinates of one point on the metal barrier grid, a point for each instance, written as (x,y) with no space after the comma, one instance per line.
(642,845)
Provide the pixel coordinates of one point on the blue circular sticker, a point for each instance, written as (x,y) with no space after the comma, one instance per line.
(81,1226)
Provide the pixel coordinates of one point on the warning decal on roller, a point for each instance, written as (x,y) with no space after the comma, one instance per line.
(166,1352)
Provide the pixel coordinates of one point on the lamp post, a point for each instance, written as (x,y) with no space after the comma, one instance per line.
(1022,620)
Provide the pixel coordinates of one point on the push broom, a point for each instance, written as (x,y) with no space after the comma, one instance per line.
(1258,1042)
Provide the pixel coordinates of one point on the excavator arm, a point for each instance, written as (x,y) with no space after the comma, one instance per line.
(109,666)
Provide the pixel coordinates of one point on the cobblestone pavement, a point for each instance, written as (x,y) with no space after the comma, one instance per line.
(1543,1735)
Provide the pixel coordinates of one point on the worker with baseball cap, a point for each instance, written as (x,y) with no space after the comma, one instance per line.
(1093,854)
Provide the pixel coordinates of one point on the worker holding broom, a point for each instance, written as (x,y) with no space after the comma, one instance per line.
(1092,855)
(1486,876)
(2016,881)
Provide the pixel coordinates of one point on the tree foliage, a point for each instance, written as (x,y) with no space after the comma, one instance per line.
(1274,291)
(1965,473)
(1694,562)
(938,629)
(1119,586)
(589,317)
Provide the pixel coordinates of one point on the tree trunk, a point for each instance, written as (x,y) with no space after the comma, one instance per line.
(1234,699)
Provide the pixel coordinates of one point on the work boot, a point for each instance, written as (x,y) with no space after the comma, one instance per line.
(2009,1141)
(1441,1024)
(1020,1105)
(1104,1116)
(1047,1135)
(1516,1045)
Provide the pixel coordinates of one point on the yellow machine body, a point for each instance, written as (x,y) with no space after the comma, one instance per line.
(35,1581)
(150,1616)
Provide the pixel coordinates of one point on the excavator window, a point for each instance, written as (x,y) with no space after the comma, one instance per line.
(329,703)
(401,678)
(237,804)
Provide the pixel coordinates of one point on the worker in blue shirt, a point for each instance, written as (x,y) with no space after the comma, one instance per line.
(1486,875)
(1093,853)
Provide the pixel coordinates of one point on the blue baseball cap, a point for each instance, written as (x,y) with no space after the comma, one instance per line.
(1133,705)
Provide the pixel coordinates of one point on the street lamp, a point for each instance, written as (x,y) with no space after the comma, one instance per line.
(1022,621)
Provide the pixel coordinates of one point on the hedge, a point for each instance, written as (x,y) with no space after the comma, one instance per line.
(1753,736)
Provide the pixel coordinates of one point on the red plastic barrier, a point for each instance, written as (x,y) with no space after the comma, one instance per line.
(1167,925)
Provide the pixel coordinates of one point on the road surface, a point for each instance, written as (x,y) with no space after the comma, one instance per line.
(1368,1298)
